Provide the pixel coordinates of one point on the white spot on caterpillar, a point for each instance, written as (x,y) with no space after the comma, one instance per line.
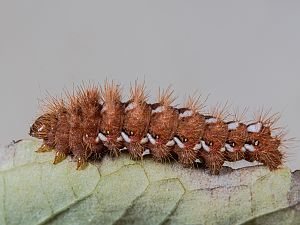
(204,146)
(119,139)
(211,120)
(233,125)
(41,128)
(144,140)
(186,113)
(197,146)
(170,143)
(198,161)
(130,106)
(179,143)
(254,128)
(103,109)
(243,149)
(125,137)
(158,109)
(249,147)
(146,152)
(222,149)
(102,137)
(97,140)
(151,139)
(229,147)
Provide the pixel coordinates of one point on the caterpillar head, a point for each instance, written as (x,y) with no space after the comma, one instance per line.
(42,125)
(51,107)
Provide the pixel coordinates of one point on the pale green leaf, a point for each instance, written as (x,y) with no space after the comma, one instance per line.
(123,191)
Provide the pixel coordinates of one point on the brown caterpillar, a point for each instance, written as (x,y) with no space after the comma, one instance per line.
(94,121)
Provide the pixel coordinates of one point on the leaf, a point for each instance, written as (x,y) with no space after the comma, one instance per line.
(122,191)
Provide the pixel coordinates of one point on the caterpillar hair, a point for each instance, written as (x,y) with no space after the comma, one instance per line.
(93,121)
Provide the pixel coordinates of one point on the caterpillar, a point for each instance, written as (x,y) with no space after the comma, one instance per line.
(94,121)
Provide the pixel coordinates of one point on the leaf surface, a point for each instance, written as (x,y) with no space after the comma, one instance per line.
(123,191)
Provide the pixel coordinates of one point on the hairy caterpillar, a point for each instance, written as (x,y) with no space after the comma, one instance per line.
(94,121)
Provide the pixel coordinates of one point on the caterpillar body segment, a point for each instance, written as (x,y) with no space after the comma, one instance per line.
(136,122)
(163,127)
(112,116)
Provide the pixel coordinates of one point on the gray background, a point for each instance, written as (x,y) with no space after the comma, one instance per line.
(244,52)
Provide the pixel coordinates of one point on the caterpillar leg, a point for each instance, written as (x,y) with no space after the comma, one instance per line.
(213,160)
(186,156)
(234,156)
(81,155)
(81,163)
(112,143)
(161,153)
(136,150)
(62,149)
(59,157)
(113,148)
(44,148)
